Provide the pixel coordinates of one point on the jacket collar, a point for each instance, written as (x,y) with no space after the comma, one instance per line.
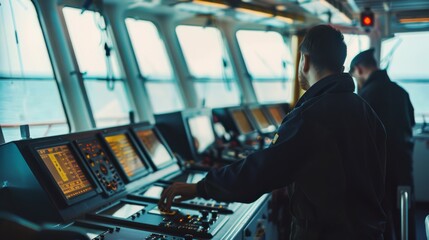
(331,84)
(376,76)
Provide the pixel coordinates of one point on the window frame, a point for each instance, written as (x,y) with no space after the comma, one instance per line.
(173,82)
(283,81)
(81,75)
(232,77)
(54,77)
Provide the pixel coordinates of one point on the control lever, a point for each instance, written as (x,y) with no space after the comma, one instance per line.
(1,137)
(25,131)
(132,117)
(214,214)
(204,213)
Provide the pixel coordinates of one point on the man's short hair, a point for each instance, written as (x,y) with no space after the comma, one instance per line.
(365,58)
(326,48)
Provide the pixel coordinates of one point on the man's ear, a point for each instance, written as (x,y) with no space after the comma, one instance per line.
(359,70)
(306,62)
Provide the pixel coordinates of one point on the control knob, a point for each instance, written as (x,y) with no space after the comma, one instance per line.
(188,237)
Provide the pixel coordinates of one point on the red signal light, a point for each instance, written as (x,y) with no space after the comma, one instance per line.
(367,18)
(367,21)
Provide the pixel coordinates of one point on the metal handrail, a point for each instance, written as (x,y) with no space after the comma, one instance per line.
(50,124)
(404,214)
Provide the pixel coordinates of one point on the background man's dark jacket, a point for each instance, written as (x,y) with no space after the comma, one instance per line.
(393,106)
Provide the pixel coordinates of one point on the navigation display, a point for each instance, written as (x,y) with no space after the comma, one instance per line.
(260,118)
(125,153)
(242,121)
(156,150)
(153,192)
(202,132)
(123,210)
(64,168)
(277,114)
(195,177)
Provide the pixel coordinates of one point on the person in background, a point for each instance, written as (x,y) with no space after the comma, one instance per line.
(329,151)
(393,106)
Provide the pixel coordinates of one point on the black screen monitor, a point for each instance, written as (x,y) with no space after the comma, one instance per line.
(201,130)
(188,132)
(67,172)
(241,121)
(155,146)
(126,154)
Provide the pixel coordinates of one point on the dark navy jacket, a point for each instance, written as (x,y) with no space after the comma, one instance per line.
(393,106)
(331,151)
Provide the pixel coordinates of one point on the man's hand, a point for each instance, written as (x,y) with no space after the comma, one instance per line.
(185,191)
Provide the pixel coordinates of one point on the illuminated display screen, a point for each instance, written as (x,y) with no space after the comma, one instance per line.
(63,166)
(202,132)
(277,114)
(260,118)
(92,235)
(155,148)
(125,153)
(123,210)
(153,192)
(242,121)
(195,177)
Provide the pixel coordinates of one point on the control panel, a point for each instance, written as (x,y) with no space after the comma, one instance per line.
(106,183)
(261,226)
(178,221)
(99,231)
(153,193)
(101,166)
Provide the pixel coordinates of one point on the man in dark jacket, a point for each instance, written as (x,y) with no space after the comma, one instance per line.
(330,150)
(393,106)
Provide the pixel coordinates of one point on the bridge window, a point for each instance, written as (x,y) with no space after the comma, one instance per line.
(209,65)
(405,57)
(99,67)
(269,64)
(355,44)
(28,89)
(155,66)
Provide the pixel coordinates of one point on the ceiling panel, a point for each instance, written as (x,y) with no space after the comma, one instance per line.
(394,5)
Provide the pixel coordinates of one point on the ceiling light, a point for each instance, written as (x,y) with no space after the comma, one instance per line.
(284,19)
(414,20)
(254,12)
(211,4)
(280,7)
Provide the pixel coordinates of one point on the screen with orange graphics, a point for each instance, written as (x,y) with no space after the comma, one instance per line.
(64,168)
(242,121)
(156,150)
(125,153)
